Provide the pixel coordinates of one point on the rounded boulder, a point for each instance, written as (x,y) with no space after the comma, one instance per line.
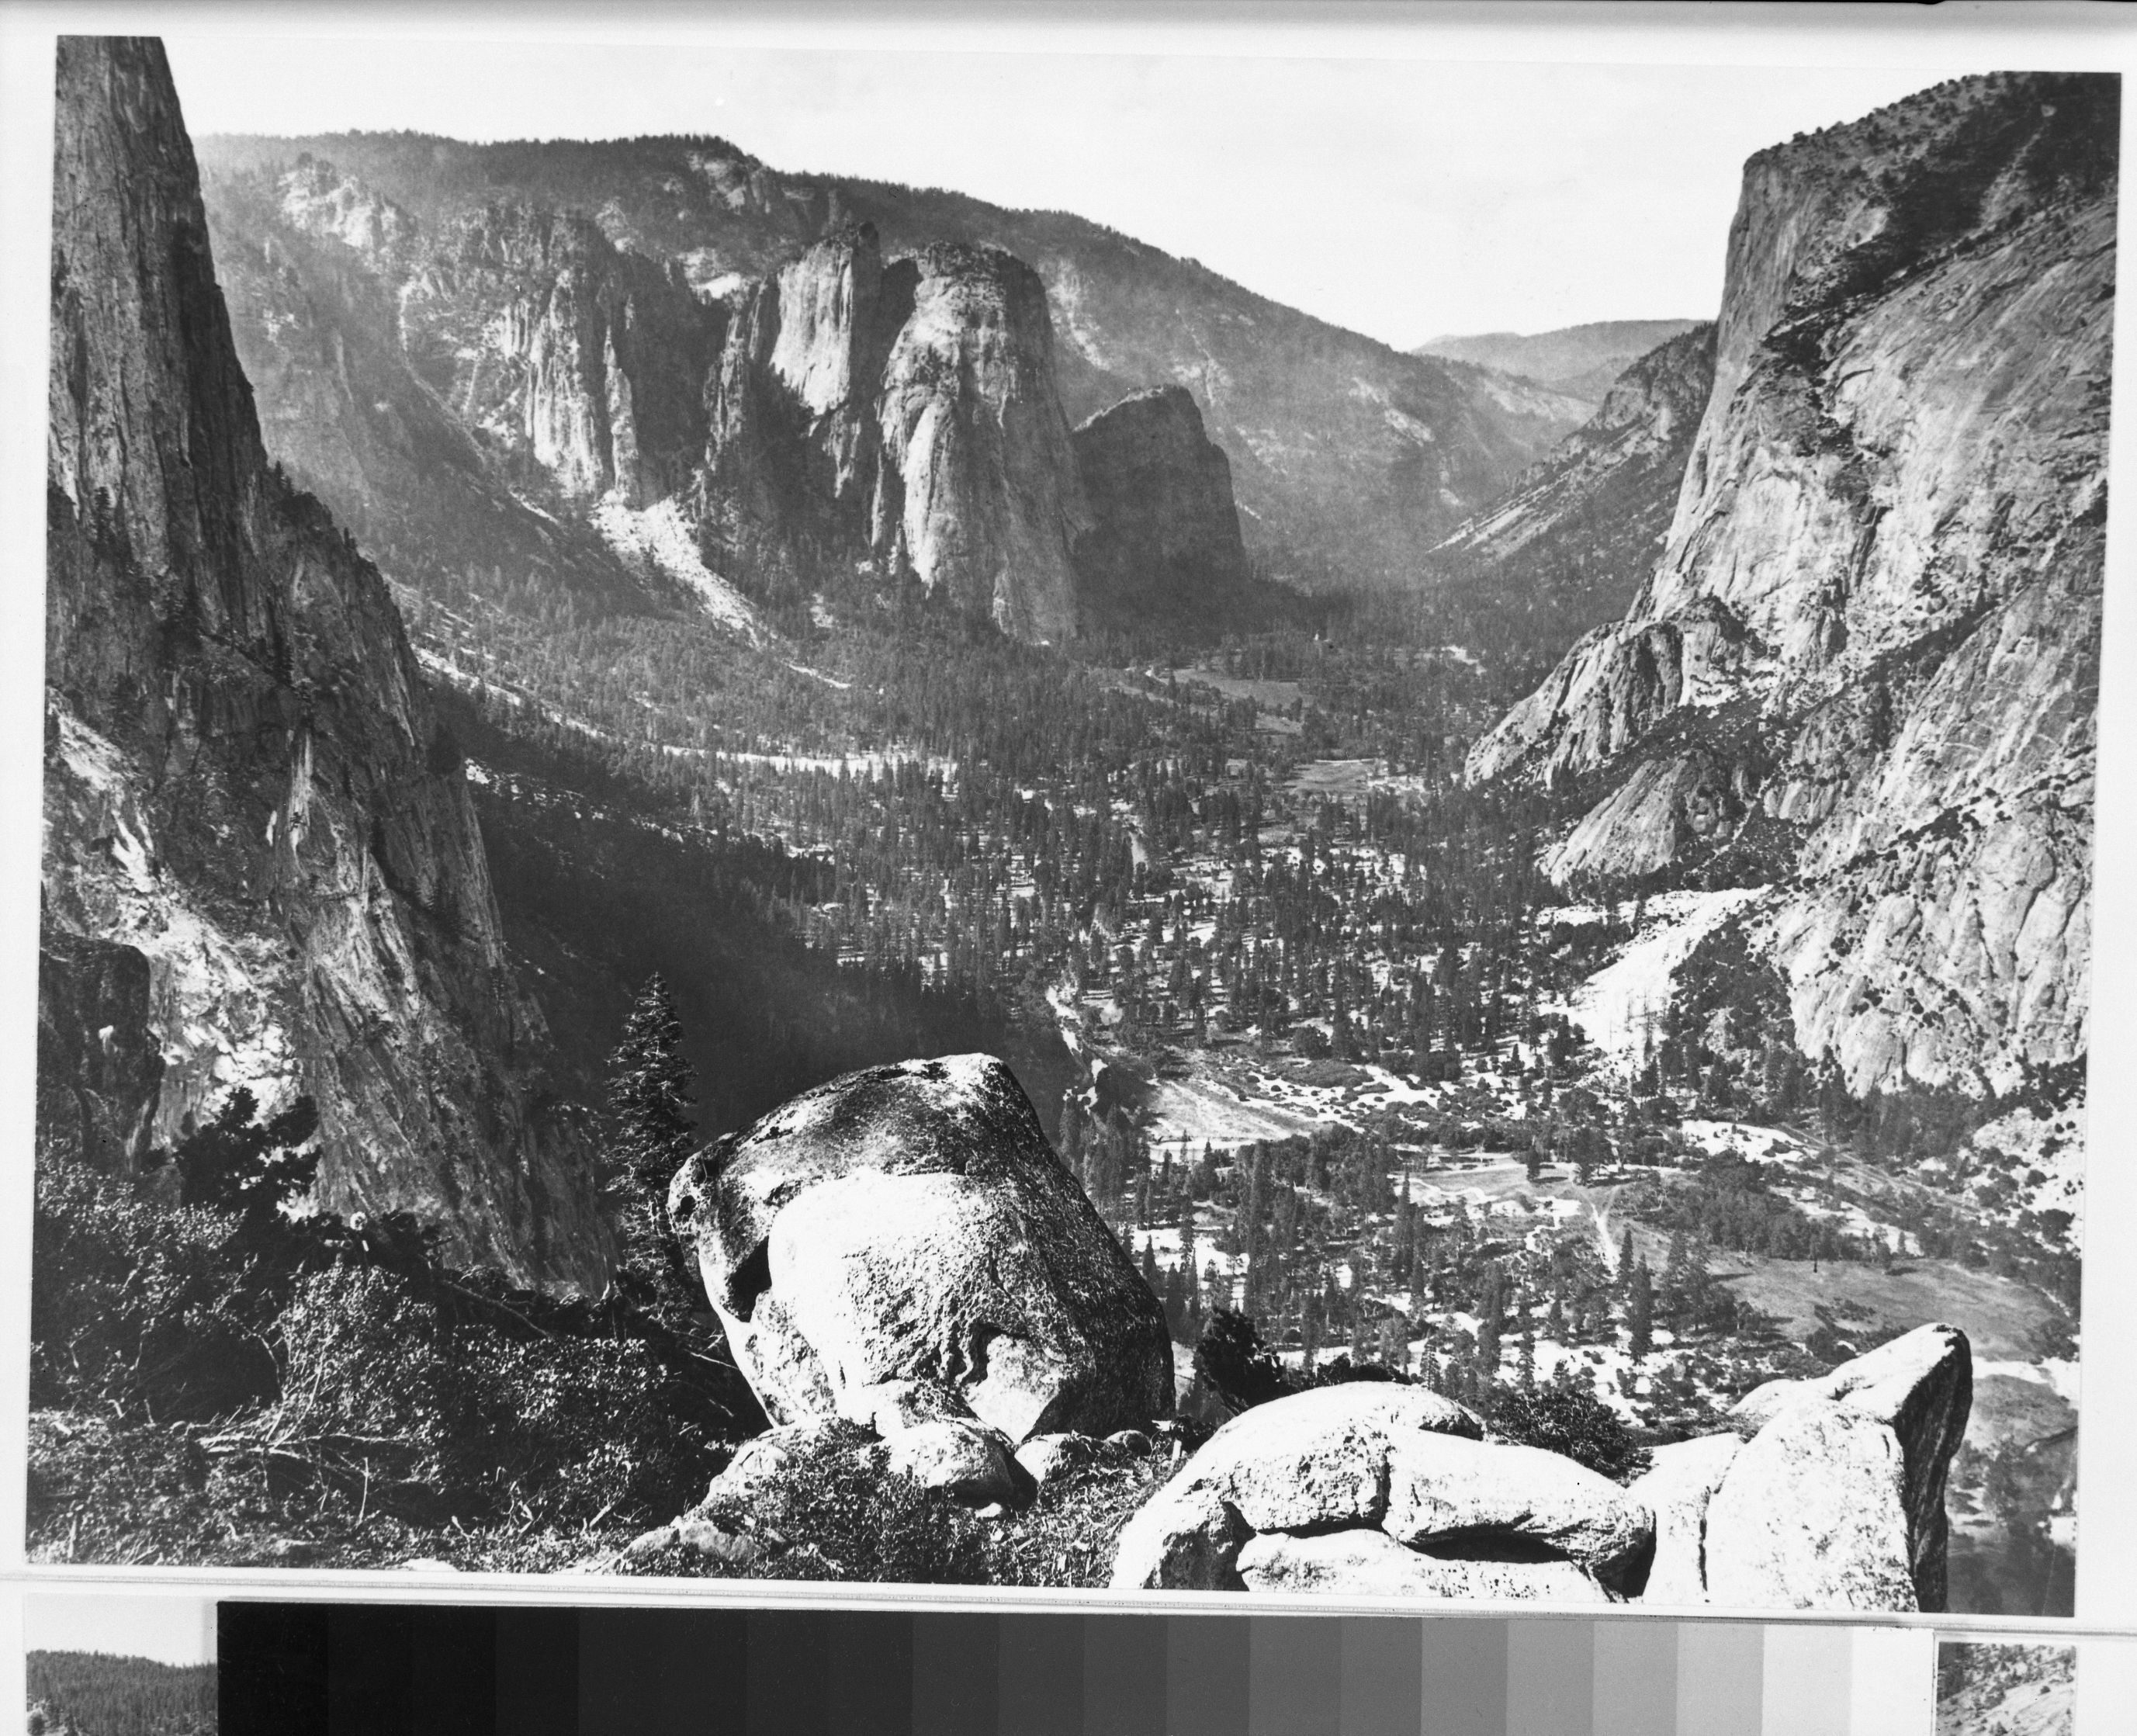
(910,1223)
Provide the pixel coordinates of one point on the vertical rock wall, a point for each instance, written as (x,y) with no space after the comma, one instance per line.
(1874,626)
(247,788)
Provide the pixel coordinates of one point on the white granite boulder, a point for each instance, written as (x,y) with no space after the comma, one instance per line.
(1372,1564)
(1676,1488)
(909,1227)
(1380,1467)
(1920,1387)
(1812,1514)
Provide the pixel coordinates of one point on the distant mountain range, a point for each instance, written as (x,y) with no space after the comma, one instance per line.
(1568,547)
(1582,361)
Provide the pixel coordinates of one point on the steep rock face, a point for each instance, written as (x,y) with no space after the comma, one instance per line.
(319,202)
(246,790)
(1165,530)
(314,267)
(902,420)
(973,423)
(99,1067)
(1920,1386)
(592,359)
(1876,619)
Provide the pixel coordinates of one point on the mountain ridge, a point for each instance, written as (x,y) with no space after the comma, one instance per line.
(1585,359)
(1402,446)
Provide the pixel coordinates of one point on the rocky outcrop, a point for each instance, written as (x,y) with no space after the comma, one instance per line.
(595,360)
(247,788)
(903,421)
(902,1246)
(1163,538)
(1676,1489)
(316,200)
(1825,1494)
(972,426)
(1339,1488)
(1812,1514)
(1876,617)
(1920,1387)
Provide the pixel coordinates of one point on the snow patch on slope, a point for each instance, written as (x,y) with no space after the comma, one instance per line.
(1620,1004)
(662,533)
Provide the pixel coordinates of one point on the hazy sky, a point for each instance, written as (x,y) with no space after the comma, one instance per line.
(172,1630)
(1401,199)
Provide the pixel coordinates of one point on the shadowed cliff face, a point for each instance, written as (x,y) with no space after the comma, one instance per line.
(1872,635)
(246,791)
(1165,536)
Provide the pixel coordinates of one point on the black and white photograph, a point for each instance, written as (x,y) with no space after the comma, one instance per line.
(118,1663)
(2009,1688)
(1149,822)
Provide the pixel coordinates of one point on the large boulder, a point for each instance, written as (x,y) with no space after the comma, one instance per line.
(1920,1387)
(1383,1467)
(1444,1491)
(1372,1564)
(1676,1489)
(970,1463)
(1812,1514)
(902,1245)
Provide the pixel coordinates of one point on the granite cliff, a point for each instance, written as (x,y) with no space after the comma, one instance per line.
(1165,534)
(901,419)
(1350,459)
(1864,667)
(512,391)
(262,867)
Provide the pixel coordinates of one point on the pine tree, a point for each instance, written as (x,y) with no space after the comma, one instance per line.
(1640,1311)
(649,1101)
(1490,1311)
